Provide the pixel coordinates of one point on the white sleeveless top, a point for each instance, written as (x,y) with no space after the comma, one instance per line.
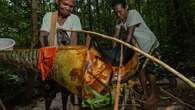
(71,23)
(142,34)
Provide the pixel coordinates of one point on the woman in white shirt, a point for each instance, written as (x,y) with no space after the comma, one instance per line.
(64,20)
(136,29)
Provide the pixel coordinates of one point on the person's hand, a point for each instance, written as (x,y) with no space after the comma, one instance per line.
(43,38)
(114,45)
(128,41)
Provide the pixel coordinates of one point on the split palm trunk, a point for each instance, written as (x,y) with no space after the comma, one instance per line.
(74,67)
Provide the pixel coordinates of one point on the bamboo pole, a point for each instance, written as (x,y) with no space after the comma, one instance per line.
(88,41)
(2,106)
(118,85)
(176,98)
(166,66)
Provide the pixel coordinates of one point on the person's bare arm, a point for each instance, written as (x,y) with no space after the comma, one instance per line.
(116,35)
(130,33)
(73,38)
(43,38)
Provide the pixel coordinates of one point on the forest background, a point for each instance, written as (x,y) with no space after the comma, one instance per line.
(172,21)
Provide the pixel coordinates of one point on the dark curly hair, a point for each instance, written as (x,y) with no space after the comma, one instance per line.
(117,2)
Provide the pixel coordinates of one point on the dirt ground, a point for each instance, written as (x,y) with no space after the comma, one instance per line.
(39,104)
(170,104)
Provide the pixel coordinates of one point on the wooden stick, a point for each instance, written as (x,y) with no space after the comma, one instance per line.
(2,106)
(173,71)
(88,40)
(176,98)
(118,86)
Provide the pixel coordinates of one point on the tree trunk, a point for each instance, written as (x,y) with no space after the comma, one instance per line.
(90,17)
(98,13)
(34,16)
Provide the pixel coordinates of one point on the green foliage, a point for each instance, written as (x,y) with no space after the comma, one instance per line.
(15,22)
(98,101)
(171,21)
(13,84)
(12,79)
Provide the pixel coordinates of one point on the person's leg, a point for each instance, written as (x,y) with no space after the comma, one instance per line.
(143,81)
(47,93)
(65,95)
(153,99)
(150,89)
(148,82)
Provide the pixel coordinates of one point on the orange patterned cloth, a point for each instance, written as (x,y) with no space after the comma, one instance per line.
(46,58)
